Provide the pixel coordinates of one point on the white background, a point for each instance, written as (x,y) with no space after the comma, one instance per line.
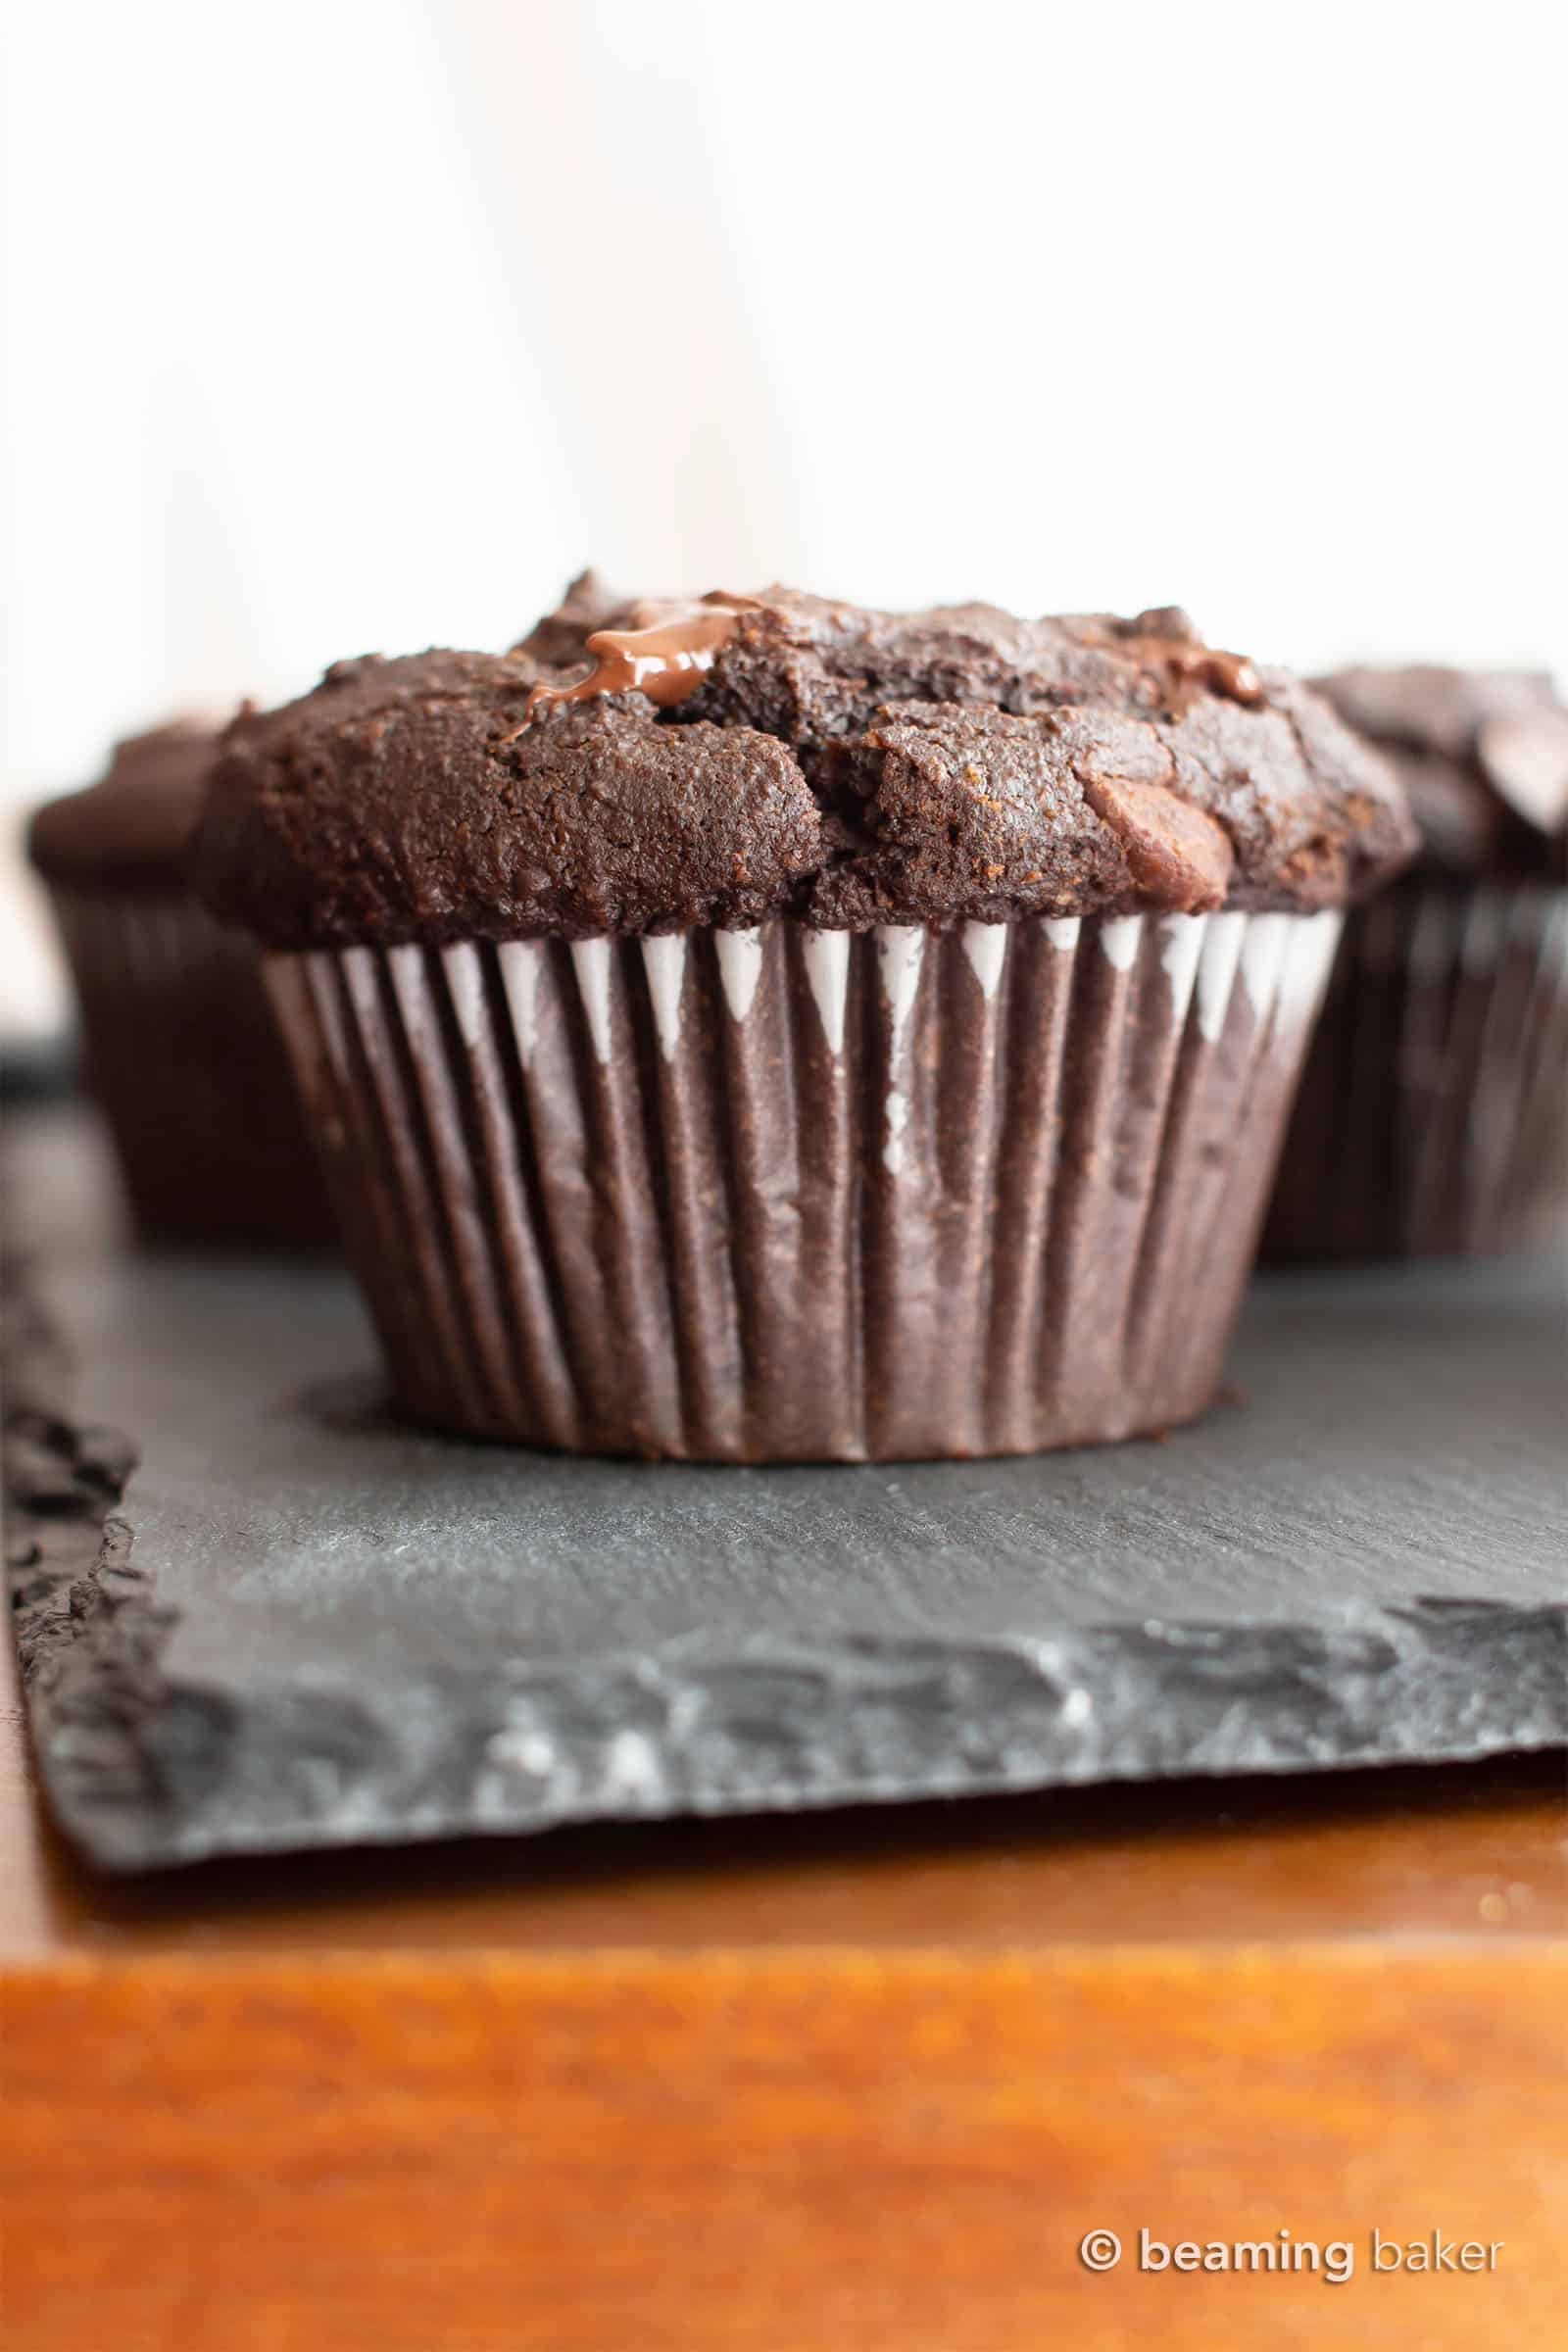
(338,325)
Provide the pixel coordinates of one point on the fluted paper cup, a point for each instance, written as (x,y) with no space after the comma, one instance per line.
(797,1195)
(1433,1117)
(184,1057)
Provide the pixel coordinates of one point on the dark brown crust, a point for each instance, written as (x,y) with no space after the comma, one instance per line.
(133,827)
(846,766)
(1455,738)
(401,801)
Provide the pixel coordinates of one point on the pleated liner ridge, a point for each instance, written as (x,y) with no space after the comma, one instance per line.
(183,1058)
(1433,1117)
(793,1195)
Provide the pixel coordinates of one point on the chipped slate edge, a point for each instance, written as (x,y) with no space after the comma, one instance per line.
(143,1771)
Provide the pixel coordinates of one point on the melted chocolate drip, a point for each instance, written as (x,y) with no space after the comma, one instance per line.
(1200,669)
(665,660)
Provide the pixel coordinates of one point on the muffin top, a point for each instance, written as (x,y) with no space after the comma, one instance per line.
(1483,756)
(133,827)
(649,766)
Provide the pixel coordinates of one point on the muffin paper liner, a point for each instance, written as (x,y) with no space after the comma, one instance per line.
(1433,1116)
(799,1195)
(184,1057)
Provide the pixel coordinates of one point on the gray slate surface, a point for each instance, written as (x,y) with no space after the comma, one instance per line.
(328,1628)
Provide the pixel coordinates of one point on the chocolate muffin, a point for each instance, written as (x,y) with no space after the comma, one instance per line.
(1433,1117)
(182,1049)
(762,1029)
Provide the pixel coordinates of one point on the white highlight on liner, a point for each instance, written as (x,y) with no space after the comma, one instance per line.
(520,962)
(740,968)
(320,966)
(827,974)
(664,962)
(1308,956)
(465,981)
(1264,946)
(1062,930)
(360,969)
(1180,941)
(900,948)
(984,945)
(1216,972)
(1119,935)
(590,961)
(407,967)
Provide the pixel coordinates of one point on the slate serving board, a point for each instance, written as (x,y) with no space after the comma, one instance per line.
(296,1623)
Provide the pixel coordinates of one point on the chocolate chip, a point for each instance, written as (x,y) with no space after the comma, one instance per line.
(1179,857)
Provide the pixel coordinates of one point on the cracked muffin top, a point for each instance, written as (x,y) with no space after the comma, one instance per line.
(649,766)
(1483,756)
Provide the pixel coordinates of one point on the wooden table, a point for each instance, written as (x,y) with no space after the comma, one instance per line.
(813,2085)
